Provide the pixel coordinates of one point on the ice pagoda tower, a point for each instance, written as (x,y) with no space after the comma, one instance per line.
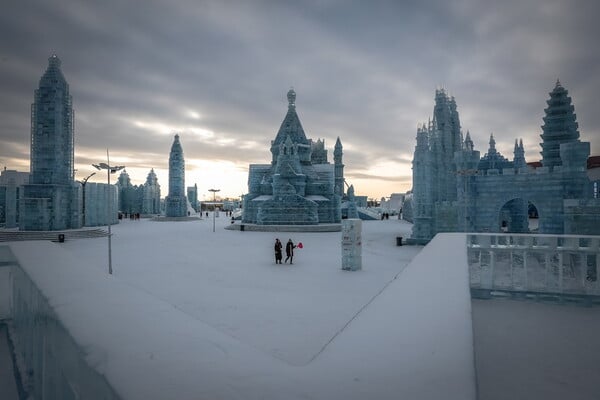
(295,188)
(52,199)
(560,126)
(176,201)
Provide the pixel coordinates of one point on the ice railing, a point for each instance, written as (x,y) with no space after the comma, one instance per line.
(557,264)
(52,364)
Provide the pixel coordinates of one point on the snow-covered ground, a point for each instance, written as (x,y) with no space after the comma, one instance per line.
(229,279)
(193,314)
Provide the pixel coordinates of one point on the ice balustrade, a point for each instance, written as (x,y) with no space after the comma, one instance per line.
(52,364)
(545,264)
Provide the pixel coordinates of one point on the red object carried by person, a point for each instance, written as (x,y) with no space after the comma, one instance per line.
(300,245)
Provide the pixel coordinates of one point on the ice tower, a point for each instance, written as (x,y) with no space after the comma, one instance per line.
(51,200)
(176,201)
(434,169)
(339,168)
(560,126)
(295,188)
(151,194)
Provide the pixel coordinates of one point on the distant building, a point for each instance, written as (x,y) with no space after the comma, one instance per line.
(11,190)
(298,187)
(51,200)
(192,195)
(176,201)
(456,190)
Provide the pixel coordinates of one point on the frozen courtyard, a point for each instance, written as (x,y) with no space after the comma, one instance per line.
(229,279)
(194,314)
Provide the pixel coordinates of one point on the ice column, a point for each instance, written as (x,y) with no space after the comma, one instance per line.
(351,244)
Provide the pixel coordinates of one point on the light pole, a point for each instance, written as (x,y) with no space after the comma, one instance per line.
(109,170)
(83,182)
(214,191)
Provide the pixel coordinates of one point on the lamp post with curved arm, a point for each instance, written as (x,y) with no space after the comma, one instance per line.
(110,169)
(83,183)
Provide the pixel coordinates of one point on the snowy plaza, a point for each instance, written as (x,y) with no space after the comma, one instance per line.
(194,314)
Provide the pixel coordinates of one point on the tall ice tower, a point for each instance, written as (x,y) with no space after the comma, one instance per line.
(52,200)
(176,201)
(339,168)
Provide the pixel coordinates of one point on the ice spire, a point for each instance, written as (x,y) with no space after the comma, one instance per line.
(468,144)
(519,155)
(292,127)
(492,144)
(338,168)
(291,95)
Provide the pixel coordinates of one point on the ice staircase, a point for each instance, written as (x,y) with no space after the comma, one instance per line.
(13,235)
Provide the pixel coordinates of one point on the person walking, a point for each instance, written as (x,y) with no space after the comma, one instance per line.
(289,251)
(278,248)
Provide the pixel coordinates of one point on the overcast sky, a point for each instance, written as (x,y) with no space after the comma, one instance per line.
(217,73)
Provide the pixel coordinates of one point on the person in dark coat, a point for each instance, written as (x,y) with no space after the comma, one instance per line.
(289,251)
(278,248)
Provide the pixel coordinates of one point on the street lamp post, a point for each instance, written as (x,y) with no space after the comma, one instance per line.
(214,191)
(83,182)
(109,170)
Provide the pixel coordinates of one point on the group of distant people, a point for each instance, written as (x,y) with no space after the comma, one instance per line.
(289,251)
(131,216)
(227,213)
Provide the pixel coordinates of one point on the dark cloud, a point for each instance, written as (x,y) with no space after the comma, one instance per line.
(217,73)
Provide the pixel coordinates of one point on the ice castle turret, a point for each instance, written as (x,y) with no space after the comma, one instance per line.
(435,171)
(127,194)
(519,156)
(151,194)
(52,200)
(295,189)
(560,126)
(493,159)
(176,201)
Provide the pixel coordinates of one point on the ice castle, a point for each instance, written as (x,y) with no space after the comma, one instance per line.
(454,189)
(52,200)
(299,186)
(144,199)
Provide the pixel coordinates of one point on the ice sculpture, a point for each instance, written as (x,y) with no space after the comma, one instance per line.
(456,190)
(176,201)
(299,186)
(52,200)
